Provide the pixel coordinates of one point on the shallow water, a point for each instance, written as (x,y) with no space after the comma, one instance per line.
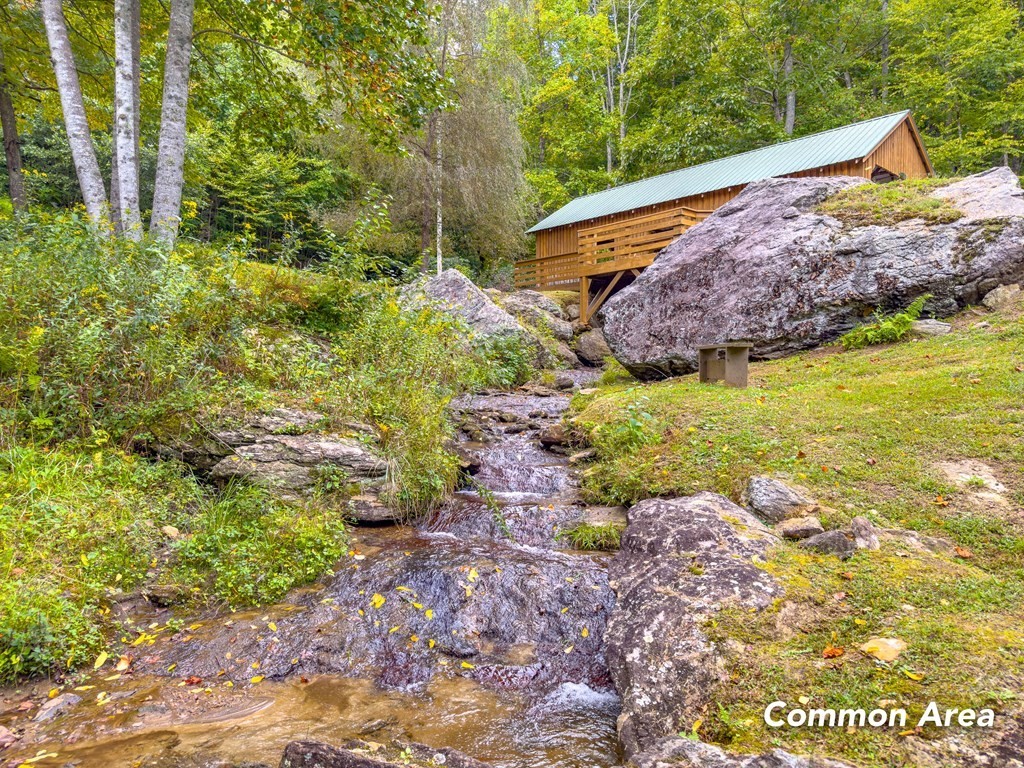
(536,694)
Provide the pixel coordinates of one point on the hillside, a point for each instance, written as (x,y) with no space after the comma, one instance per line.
(921,437)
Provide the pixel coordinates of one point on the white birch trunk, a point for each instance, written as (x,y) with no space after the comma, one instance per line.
(126,144)
(787,70)
(170,164)
(76,123)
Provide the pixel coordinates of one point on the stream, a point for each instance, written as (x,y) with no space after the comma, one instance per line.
(474,628)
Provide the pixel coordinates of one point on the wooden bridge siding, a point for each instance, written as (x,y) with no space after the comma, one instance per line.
(899,153)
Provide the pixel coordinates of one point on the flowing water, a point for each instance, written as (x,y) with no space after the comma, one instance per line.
(473,629)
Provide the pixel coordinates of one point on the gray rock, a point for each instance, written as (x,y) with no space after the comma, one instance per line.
(788,284)
(538,311)
(799,527)
(560,353)
(57,706)
(680,562)
(553,434)
(774,501)
(926,328)
(572,311)
(1003,296)
(362,754)
(683,753)
(521,300)
(864,534)
(454,293)
(592,348)
(564,381)
(831,543)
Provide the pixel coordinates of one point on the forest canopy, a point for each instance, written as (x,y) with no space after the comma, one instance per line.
(394,133)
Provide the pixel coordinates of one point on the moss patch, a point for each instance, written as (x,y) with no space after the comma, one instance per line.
(887,204)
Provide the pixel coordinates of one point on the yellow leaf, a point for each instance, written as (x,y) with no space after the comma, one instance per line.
(860,622)
(568,649)
(431,643)
(565,610)
(913,675)
(84,559)
(418,606)
(473,575)
(256,679)
(467,665)
(910,732)
(414,638)
(804,700)
(697,724)
(115,676)
(429,614)
(123,663)
(53,693)
(585,632)
(272,626)
(171,668)
(84,687)
(884,648)
(393,629)
(377,600)
(255,665)
(100,660)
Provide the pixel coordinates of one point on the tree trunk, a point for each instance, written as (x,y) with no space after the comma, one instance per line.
(12,147)
(787,72)
(126,165)
(426,220)
(170,164)
(439,183)
(76,123)
(884,49)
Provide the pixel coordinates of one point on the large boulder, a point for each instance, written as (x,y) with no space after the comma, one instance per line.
(538,311)
(455,294)
(592,348)
(680,562)
(768,267)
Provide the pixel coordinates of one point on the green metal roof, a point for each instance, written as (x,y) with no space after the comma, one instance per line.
(838,145)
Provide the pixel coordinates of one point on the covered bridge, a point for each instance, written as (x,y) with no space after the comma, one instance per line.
(600,242)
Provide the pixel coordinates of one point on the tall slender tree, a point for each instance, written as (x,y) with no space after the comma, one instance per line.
(170,169)
(126,108)
(12,146)
(76,122)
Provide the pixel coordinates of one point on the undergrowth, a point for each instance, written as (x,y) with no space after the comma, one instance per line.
(884,329)
(107,346)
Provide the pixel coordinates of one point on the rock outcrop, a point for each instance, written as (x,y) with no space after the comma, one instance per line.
(592,348)
(365,754)
(767,267)
(286,452)
(680,561)
(684,753)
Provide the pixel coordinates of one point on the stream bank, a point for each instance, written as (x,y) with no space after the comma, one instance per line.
(473,629)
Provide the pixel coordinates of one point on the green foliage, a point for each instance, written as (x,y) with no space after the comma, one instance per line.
(115,332)
(586,536)
(887,204)
(614,373)
(885,329)
(255,548)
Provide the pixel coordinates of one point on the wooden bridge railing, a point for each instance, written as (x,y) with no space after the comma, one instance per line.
(632,243)
(551,272)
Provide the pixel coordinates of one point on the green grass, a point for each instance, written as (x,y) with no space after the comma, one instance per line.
(887,204)
(864,430)
(587,536)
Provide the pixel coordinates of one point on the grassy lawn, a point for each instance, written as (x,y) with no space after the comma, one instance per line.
(865,431)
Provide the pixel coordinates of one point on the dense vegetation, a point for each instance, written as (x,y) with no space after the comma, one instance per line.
(122,341)
(868,432)
(502,111)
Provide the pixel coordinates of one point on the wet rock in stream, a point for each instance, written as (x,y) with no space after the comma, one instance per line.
(478,589)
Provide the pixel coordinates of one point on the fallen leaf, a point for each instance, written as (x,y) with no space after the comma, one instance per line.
(272,626)
(833,651)
(473,575)
(963,552)
(123,663)
(913,675)
(256,679)
(585,632)
(193,680)
(884,648)
(101,660)
(377,600)
(940,502)
(467,665)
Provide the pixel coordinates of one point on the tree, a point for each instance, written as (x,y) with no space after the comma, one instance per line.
(12,145)
(170,169)
(126,121)
(75,120)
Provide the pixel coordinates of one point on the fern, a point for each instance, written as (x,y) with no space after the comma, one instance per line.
(884,329)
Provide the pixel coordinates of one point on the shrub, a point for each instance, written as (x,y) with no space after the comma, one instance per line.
(885,329)
(603,537)
(252,548)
